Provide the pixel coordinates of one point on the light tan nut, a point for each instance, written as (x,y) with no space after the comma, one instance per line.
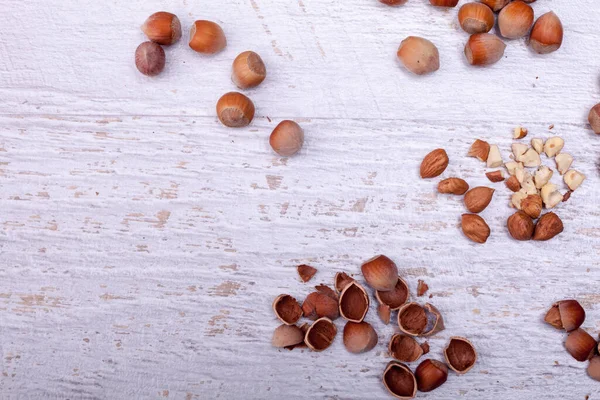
(574,179)
(538,145)
(494,159)
(480,150)
(531,158)
(513,184)
(528,186)
(513,166)
(517,198)
(532,205)
(519,133)
(553,146)
(495,176)
(550,195)
(563,162)
(518,149)
(542,176)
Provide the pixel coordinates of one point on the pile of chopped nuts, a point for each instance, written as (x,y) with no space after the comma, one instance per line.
(351,301)
(569,315)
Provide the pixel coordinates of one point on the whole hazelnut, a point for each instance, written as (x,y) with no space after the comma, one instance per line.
(359,337)
(235,110)
(484,49)
(248,70)
(207,37)
(520,226)
(547,34)
(163,28)
(515,20)
(431,374)
(419,55)
(150,58)
(476,18)
(287,138)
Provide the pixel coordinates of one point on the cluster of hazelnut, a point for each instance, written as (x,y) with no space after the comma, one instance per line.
(351,301)
(569,315)
(515,20)
(234,109)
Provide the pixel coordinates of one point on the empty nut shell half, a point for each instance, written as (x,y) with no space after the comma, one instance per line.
(303,328)
(412,319)
(354,303)
(317,305)
(580,345)
(287,309)
(566,314)
(394,298)
(460,355)
(404,348)
(320,334)
(341,280)
(287,335)
(435,321)
(380,273)
(399,381)
(359,337)
(306,272)
(327,291)
(593,369)
(431,374)
(384,312)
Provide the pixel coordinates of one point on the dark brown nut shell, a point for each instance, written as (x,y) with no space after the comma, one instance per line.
(580,345)
(460,355)
(320,334)
(435,321)
(566,314)
(359,337)
(327,291)
(396,297)
(354,302)
(341,280)
(306,272)
(287,309)
(431,374)
(412,319)
(399,380)
(317,305)
(384,312)
(380,273)
(287,335)
(404,348)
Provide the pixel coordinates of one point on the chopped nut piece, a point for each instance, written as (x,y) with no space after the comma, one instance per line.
(550,195)
(531,158)
(495,176)
(563,162)
(518,150)
(513,184)
(513,166)
(553,146)
(528,186)
(567,196)
(519,133)
(517,198)
(480,150)
(422,288)
(542,176)
(494,159)
(574,179)
(538,145)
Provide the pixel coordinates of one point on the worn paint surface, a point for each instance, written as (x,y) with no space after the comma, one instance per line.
(141,243)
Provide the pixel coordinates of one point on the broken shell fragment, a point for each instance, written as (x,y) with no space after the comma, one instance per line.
(317,305)
(460,355)
(422,288)
(380,273)
(303,328)
(354,303)
(341,280)
(404,348)
(320,334)
(412,319)
(287,309)
(287,335)
(394,298)
(399,380)
(384,312)
(306,272)
(580,345)
(359,337)
(435,321)
(327,291)
(431,374)
(566,314)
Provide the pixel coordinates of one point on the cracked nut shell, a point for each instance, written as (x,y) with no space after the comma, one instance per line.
(412,319)
(317,305)
(399,380)
(359,337)
(460,355)
(566,314)
(580,345)
(384,312)
(320,334)
(287,309)
(396,297)
(431,374)
(354,303)
(306,272)
(380,273)
(341,280)
(405,348)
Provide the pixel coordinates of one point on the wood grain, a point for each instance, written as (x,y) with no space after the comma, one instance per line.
(141,242)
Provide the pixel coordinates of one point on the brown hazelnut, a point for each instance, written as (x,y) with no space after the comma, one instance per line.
(354,303)
(484,49)
(287,335)
(580,345)
(341,280)
(532,205)
(235,110)
(593,369)
(306,272)
(476,18)
(207,37)
(412,319)
(431,374)
(163,28)
(359,337)
(287,309)
(248,70)
(520,226)
(150,58)
(380,273)
(453,186)
(548,226)
(477,199)
(317,305)
(547,34)
(419,55)
(515,20)
(287,138)
(496,5)
(594,118)
(320,334)
(396,297)
(566,314)
(393,2)
(399,380)
(404,348)
(444,3)
(460,355)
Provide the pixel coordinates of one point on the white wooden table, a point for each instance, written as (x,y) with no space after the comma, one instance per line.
(141,242)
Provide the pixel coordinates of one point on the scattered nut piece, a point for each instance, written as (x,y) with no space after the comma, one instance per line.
(287,335)
(542,176)
(404,348)
(547,227)
(320,334)
(287,309)
(567,196)
(425,347)
(580,345)
(594,118)
(517,198)
(422,288)
(532,205)
(518,149)
(520,226)
(538,145)
(306,272)
(384,312)
(531,158)
(495,176)
(341,280)
(431,374)
(380,273)
(453,186)
(460,355)
(494,159)
(354,303)
(563,162)
(475,228)
(513,166)
(434,164)
(566,314)
(574,179)
(477,199)
(519,133)
(399,380)
(359,337)
(553,146)
(480,150)
(513,184)
(396,297)
(550,195)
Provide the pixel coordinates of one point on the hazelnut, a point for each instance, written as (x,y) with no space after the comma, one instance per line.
(538,145)
(566,314)
(547,227)
(532,205)
(306,272)
(399,380)
(287,309)
(318,305)
(393,2)
(380,273)
(248,70)
(396,297)
(475,228)
(520,226)
(150,58)
(444,3)
(320,334)
(359,337)
(460,355)
(484,49)
(550,195)
(419,55)
(513,184)
(542,176)
(163,28)
(573,179)
(547,34)
(412,319)
(453,186)
(235,110)
(580,345)
(431,374)
(553,146)
(477,199)
(287,138)
(496,5)
(434,164)
(476,18)
(404,348)
(495,176)
(520,133)
(563,162)
(287,335)
(207,37)
(354,303)
(515,20)
(594,118)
